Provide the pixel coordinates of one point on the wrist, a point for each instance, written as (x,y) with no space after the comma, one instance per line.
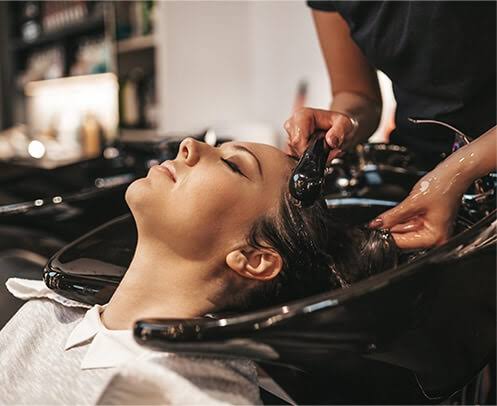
(476,159)
(457,172)
(364,112)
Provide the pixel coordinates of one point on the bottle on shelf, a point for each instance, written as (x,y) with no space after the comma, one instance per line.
(91,137)
(138,105)
(59,14)
(92,57)
(130,99)
(134,18)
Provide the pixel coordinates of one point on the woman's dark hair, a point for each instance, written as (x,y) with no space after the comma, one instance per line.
(319,253)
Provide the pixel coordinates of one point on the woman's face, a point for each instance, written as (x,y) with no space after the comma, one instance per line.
(203,203)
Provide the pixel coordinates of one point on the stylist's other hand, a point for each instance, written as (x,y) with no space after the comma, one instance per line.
(426,217)
(306,121)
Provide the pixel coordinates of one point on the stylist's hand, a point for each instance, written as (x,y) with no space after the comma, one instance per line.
(306,121)
(426,217)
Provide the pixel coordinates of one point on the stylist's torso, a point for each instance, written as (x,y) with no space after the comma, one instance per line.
(441,58)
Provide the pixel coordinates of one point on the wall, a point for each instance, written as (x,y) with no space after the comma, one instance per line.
(237,65)
(285,51)
(203,63)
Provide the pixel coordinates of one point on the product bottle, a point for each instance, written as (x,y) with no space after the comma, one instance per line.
(91,136)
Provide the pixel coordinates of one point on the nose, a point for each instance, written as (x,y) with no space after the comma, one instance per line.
(189,151)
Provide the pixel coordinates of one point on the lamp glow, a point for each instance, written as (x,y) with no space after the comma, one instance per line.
(36,149)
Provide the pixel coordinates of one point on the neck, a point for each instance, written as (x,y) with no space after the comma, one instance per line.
(158,284)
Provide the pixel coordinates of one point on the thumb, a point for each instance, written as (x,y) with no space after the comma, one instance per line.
(413,240)
(334,137)
(399,214)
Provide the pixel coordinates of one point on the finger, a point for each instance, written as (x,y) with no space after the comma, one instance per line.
(302,134)
(336,134)
(399,214)
(414,240)
(298,149)
(288,127)
(305,122)
(334,153)
(414,224)
(323,119)
(290,130)
(287,149)
(299,132)
(334,138)
(292,151)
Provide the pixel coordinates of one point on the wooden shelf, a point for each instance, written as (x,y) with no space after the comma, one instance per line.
(130,136)
(136,43)
(87,25)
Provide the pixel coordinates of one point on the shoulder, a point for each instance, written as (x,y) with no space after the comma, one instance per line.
(40,314)
(322,5)
(173,379)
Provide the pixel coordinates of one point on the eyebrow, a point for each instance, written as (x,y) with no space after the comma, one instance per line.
(245,149)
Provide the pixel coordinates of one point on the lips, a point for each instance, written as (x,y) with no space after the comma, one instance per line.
(169,169)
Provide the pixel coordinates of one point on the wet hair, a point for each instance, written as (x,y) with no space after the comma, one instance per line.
(319,253)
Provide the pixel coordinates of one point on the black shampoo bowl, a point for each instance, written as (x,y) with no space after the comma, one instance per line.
(415,334)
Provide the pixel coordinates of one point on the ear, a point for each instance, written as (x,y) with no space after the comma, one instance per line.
(261,264)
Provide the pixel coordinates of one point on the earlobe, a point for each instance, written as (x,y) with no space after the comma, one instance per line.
(261,264)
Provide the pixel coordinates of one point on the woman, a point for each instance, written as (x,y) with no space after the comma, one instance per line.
(217,231)
(439,70)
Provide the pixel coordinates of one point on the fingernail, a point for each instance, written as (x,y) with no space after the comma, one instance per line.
(333,142)
(377,222)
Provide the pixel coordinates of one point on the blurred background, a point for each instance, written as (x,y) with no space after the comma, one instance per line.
(77,75)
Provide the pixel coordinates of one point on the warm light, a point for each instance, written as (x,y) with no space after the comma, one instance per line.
(210,137)
(36,149)
(62,103)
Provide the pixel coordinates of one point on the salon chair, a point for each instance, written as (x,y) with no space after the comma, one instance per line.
(415,334)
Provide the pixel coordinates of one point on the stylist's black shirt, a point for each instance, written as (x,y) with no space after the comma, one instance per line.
(441,58)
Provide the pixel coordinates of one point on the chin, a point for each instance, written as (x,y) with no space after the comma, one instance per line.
(136,194)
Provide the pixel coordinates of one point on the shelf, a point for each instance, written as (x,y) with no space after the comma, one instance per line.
(139,135)
(136,43)
(87,25)
(64,82)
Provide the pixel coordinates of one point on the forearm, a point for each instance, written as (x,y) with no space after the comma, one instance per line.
(365,111)
(472,161)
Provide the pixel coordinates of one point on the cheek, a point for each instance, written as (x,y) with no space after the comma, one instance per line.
(213,211)
(213,200)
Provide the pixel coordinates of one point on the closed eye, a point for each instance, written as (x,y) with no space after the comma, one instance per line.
(233,166)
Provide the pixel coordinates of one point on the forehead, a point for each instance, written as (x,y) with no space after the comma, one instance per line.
(276,165)
(272,159)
